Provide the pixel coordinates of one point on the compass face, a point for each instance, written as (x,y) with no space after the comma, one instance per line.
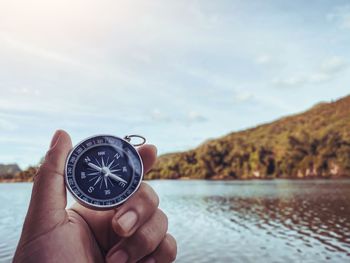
(103,171)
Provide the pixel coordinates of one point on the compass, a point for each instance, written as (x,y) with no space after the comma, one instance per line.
(103,171)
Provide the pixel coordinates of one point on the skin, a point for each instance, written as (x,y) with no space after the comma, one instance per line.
(134,232)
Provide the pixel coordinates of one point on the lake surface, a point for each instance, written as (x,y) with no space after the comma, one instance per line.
(239,221)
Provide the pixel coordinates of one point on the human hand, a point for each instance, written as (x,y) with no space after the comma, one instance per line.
(134,232)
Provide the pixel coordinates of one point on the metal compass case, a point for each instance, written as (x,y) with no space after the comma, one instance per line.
(103,171)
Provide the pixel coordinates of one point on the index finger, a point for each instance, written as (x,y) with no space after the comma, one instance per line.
(148,155)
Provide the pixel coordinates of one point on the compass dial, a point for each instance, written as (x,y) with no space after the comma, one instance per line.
(103,171)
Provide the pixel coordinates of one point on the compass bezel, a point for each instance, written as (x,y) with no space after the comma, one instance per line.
(92,205)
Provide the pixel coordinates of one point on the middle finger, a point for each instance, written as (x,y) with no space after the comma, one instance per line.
(135,211)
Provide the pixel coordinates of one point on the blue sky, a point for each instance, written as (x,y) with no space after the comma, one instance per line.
(178,72)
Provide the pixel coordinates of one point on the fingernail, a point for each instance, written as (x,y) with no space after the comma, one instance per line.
(55,138)
(127,221)
(119,257)
(150,260)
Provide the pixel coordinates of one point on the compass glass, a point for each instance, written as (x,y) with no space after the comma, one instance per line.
(103,171)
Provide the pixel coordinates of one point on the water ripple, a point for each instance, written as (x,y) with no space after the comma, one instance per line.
(249,221)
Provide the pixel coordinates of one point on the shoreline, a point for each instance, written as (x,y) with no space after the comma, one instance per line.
(5,181)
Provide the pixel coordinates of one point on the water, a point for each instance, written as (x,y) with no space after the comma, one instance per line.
(240,221)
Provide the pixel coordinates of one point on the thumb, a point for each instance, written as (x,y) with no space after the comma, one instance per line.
(49,193)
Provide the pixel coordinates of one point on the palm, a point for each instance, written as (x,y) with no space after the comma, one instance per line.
(71,238)
(76,241)
(100,226)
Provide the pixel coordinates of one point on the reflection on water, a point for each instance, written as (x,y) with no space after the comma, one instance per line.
(245,221)
(259,221)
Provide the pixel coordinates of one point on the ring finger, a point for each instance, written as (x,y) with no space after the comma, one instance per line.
(143,242)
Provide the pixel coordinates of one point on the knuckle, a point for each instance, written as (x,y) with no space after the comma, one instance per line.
(49,168)
(164,218)
(170,247)
(148,195)
(51,155)
(146,240)
(52,161)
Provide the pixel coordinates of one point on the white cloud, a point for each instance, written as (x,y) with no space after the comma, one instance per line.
(182,117)
(7,125)
(341,16)
(293,81)
(327,71)
(279,103)
(194,116)
(25,91)
(333,65)
(159,116)
(33,50)
(263,59)
(243,96)
(319,77)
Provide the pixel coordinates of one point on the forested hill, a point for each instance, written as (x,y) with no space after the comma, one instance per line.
(312,144)
(315,143)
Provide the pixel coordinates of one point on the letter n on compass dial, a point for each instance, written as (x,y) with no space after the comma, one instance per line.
(103,171)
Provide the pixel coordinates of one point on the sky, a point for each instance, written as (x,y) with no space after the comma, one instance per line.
(177,72)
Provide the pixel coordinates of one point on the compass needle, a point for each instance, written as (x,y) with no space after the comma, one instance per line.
(94,166)
(117,178)
(101,183)
(93,173)
(106,182)
(103,171)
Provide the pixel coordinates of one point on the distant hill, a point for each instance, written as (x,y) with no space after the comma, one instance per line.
(12,173)
(7,170)
(312,144)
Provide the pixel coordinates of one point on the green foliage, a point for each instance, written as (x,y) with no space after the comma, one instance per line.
(315,143)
